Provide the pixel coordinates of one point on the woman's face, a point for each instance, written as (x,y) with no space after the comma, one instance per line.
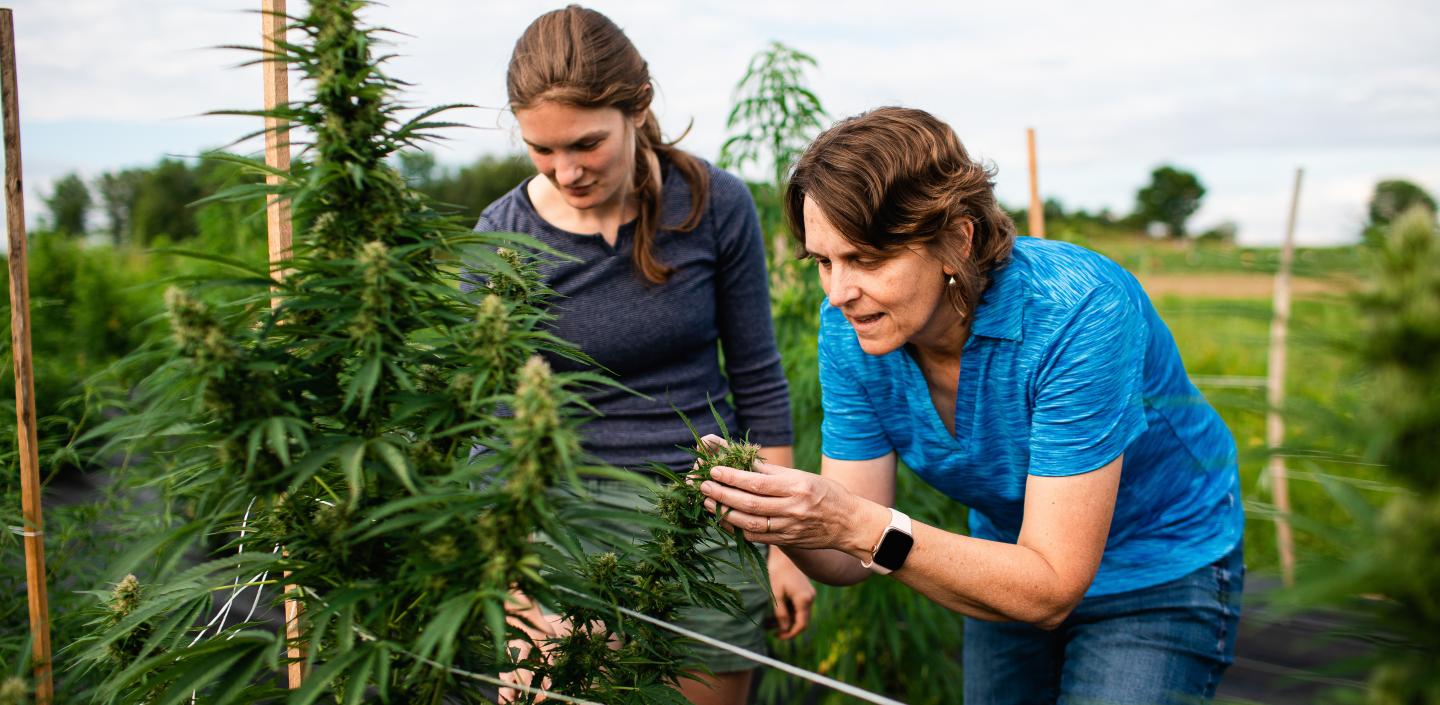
(587,154)
(890,300)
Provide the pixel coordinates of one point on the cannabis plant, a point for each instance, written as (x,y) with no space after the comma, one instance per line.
(1386,550)
(381,446)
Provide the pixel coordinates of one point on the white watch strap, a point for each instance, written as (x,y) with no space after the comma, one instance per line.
(899,521)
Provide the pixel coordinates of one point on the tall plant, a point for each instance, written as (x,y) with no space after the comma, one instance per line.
(384,443)
(1380,551)
(775,114)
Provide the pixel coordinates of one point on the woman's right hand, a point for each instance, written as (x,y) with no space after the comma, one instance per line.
(787,507)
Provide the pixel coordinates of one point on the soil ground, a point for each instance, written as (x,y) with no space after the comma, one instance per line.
(1237,285)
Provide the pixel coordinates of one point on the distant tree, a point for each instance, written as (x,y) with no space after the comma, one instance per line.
(1391,198)
(471,188)
(118,191)
(1172,196)
(163,203)
(69,202)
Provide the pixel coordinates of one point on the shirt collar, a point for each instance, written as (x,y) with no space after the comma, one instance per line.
(1001,313)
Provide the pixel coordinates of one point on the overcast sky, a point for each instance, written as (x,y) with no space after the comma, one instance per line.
(1241,92)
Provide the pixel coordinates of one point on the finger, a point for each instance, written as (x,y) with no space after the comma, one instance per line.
(783,618)
(751,524)
(779,482)
(744,501)
(802,611)
(713,441)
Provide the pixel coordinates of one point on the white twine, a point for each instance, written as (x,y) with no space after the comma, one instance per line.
(796,671)
(21,531)
(747,654)
(482,677)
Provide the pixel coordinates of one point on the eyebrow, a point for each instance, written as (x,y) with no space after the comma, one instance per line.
(587,137)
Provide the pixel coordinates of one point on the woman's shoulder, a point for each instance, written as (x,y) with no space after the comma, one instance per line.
(726,190)
(1066,274)
(511,212)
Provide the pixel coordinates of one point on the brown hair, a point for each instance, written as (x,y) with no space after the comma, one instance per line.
(577,56)
(894,177)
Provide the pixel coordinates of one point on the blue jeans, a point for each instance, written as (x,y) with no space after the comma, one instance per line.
(1158,645)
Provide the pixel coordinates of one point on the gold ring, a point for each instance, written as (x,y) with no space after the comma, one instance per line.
(767,524)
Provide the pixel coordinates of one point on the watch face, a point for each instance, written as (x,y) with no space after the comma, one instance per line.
(893,549)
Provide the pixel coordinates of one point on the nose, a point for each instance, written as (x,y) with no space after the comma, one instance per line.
(843,288)
(567,170)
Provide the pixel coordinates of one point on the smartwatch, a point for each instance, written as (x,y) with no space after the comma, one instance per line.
(893,547)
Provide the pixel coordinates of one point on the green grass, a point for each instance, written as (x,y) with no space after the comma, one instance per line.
(1231,338)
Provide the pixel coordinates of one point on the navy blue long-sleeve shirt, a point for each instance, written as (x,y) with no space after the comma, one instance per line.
(660,339)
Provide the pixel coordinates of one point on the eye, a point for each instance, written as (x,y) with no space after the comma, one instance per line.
(587,146)
(824,263)
(542,151)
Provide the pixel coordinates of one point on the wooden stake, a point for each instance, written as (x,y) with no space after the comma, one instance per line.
(24,373)
(277,138)
(1275,393)
(277,212)
(1037,207)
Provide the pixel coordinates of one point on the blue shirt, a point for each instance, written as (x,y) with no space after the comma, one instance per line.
(1067,366)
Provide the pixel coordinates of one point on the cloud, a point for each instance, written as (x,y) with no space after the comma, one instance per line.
(1234,89)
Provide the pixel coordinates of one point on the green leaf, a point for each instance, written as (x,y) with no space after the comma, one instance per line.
(397,462)
(351,457)
(277,440)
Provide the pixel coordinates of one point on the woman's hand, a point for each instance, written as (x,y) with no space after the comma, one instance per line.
(778,505)
(793,595)
(542,630)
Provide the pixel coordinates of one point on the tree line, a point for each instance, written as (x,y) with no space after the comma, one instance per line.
(137,206)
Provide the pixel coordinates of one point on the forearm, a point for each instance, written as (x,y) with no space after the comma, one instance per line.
(983,579)
(826,565)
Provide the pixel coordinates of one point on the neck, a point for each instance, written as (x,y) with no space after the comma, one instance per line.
(943,337)
(605,218)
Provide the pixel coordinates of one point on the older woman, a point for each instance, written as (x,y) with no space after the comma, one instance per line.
(1029,380)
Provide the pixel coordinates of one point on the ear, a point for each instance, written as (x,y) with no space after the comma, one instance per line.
(637,118)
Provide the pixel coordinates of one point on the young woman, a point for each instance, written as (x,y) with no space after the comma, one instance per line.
(668,260)
(1031,381)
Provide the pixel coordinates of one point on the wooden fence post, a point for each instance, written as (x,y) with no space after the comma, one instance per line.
(1275,393)
(277,220)
(1037,207)
(34,529)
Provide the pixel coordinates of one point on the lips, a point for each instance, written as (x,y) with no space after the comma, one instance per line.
(865,322)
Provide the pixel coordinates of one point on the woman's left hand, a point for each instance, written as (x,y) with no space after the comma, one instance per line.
(779,505)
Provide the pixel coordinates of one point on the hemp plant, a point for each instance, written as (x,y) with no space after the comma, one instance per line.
(385,443)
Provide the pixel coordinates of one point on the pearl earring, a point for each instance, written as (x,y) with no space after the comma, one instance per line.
(951,281)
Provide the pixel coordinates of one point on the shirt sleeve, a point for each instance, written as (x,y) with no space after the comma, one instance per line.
(851,429)
(1088,403)
(747,334)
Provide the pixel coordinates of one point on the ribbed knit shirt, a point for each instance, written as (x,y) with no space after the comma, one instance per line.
(661,339)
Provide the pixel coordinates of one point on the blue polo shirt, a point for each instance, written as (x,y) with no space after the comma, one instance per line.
(1067,367)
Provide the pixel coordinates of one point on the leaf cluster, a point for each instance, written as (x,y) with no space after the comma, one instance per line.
(773,111)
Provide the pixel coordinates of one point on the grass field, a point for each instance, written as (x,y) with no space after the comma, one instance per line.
(1229,338)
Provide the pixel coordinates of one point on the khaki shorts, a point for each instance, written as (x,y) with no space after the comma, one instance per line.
(745,632)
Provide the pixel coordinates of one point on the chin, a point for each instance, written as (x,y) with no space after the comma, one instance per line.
(879,346)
